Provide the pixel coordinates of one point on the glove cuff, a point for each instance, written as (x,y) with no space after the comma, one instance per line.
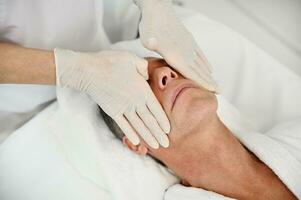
(56,52)
(64,67)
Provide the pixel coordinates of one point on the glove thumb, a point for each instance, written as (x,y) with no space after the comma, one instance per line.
(142,68)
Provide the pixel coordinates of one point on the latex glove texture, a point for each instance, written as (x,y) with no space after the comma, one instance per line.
(116,81)
(161,31)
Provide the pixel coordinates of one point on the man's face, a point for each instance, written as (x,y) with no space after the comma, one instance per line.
(187,105)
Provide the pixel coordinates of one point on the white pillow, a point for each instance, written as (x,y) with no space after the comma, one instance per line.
(88,142)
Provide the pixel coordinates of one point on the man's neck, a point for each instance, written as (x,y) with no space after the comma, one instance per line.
(200,158)
(203,144)
(213,159)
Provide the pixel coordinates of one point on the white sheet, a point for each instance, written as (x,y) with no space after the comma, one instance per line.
(67,151)
(50,159)
(180,192)
(34,166)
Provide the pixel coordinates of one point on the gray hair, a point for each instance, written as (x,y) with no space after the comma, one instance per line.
(112,125)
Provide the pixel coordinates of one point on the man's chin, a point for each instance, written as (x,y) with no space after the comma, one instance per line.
(191,109)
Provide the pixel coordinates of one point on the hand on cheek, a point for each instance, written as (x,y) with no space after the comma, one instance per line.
(140,149)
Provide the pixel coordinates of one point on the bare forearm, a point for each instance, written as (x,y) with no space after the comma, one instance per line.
(19,65)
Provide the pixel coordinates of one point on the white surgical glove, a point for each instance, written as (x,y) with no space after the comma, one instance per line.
(116,81)
(161,31)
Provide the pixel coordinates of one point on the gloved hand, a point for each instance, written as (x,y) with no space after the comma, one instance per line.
(161,31)
(116,81)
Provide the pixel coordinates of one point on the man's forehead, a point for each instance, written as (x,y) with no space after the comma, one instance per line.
(154,63)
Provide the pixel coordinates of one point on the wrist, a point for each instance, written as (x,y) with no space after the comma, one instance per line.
(67,68)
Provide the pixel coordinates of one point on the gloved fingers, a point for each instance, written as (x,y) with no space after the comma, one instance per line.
(152,43)
(203,59)
(206,81)
(142,68)
(195,73)
(153,126)
(202,64)
(128,130)
(201,69)
(156,109)
(196,69)
(141,129)
(148,38)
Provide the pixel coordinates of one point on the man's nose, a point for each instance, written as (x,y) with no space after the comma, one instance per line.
(166,75)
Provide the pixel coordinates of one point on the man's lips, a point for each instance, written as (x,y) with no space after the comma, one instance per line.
(179,91)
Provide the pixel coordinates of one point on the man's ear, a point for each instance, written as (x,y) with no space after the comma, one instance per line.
(140,149)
